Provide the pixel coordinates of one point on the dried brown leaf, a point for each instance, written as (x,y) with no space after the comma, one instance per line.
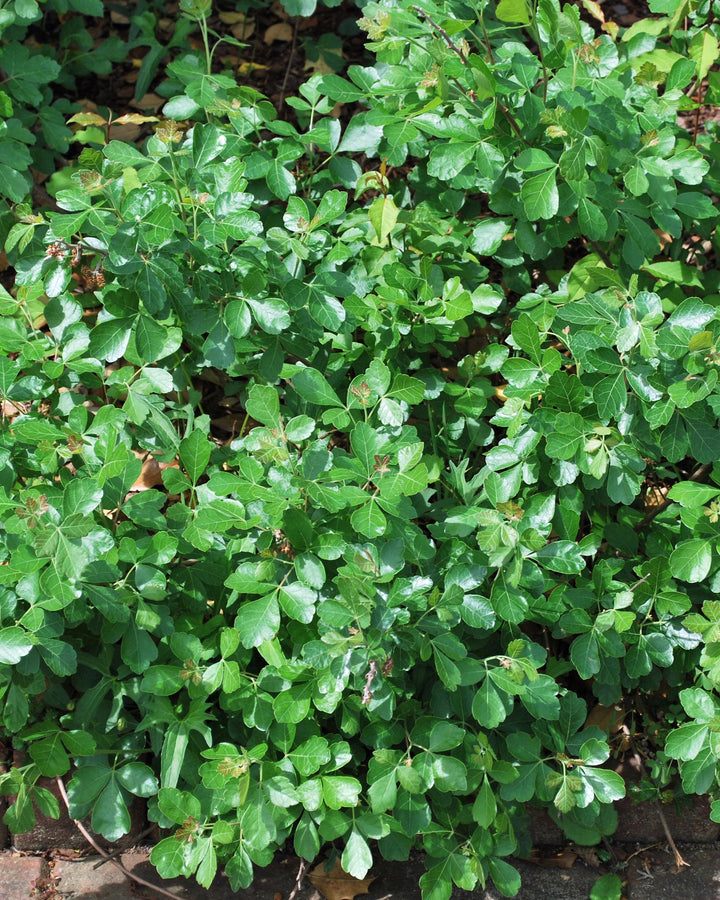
(280,31)
(337,884)
(562,860)
(243,30)
(231,18)
(588,855)
(149,101)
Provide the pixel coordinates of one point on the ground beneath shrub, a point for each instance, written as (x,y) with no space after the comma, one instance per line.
(648,874)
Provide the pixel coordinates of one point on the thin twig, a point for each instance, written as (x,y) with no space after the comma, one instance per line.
(441,31)
(698,475)
(113,853)
(290,59)
(93,843)
(298,880)
(642,850)
(679,861)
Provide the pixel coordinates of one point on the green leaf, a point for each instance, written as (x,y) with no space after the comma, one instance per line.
(280,181)
(340,791)
(690,494)
(505,876)
(195,452)
(686,741)
(514,11)
(610,395)
(50,757)
(488,236)
(263,404)
(356,859)
(169,856)
(607,887)
(369,520)
(485,806)
(607,786)
(539,194)
(704,51)
(526,336)
(208,141)
(258,621)
(691,560)
(150,338)
(675,272)
(488,707)
(15,643)
(561,556)
(298,601)
(313,387)
(177,805)
(109,340)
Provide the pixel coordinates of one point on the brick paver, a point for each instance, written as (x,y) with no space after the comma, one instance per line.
(18,875)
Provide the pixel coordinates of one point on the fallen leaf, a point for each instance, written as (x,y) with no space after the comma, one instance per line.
(151,474)
(318,66)
(243,30)
(149,101)
(126,133)
(608,718)
(337,884)
(563,860)
(277,9)
(231,18)
(247,68)
(588,855)
(280,31)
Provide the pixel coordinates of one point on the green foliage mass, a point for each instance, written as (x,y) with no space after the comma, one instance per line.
(470,339)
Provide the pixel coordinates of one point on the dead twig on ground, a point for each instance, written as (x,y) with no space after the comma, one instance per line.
(298,880)
(679,861)
(113,853)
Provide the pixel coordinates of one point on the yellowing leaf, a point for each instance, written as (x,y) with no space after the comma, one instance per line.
(337,884)
(703,51)
(247,67)
(594,9)
(383,216)
(134,119)
(515,11)
(87,118)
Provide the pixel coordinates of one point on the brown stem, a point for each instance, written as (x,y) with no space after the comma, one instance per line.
(441,31)
(290,59)
(701,100)
(679,861)
(113,853)
(298,880)
(698,475)
(93,843)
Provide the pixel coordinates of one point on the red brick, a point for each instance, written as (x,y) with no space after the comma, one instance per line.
(18,875)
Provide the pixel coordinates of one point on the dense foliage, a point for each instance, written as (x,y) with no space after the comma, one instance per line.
(468,340)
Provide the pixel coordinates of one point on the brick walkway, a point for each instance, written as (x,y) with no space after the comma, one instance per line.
(648,876)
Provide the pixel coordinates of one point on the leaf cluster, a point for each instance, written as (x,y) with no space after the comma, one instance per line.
(430,395)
